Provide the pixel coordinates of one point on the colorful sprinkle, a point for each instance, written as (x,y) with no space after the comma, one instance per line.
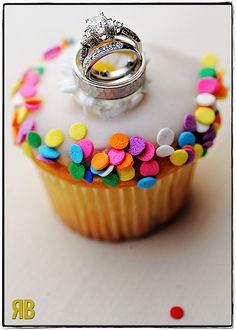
(119,141)
(77,131)
(205,116)
(209,135)
(77,171)
(107,171)
(52,53)
(116,156)
(198,149)
(176,312)
(88,176)
(205,99)
(136,145)
(207,72)
(126,175)
(76,153)
(204,152)
(148,152)
(111,180)
(164,151)
(202,128)
(27,149)
(209,60)
(190,155)
(54,138)
(150,168)
(95,171)
(45,160)
(208,144)
(99,161)
(186,138)
(32,103)
(22,114)
(147,182)
(40,69)
(32,78)
(87,147)
(27,91)
(189,122)
(127,162)
(207,85)
(179,157)
(34,139)
(165,136)
(48,152)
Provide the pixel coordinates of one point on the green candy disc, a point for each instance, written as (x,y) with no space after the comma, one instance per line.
(111,180)
(207,72)
(204,152)
(34,139)
(77,171)
(40,69)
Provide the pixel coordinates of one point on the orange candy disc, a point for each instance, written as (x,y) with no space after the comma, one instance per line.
(119,141)
(100,161)
(127,162)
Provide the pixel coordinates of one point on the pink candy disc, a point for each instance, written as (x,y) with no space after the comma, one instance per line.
(150,168)
(32,78)
(30,106)
(27,91)
(116,157)
(87,147)
(52,53)
(207,85)
(45,160)
(148,153)
(27,126)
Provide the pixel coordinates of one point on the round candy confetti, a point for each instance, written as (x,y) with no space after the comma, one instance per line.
(205,99)
(127,162)
(27,91)
(119,141)
(54,138)
(209,135)
(189,122)
(76,153)
(209,60)
(205,116)
(77,131)
(150,168)
(202,128)
(95,171)
(87,147)
(148,152)
(147,182)
(27,149)
(100,161)
(32,103)
(204,152)
(207,85)
(45,160)
(34,139)
(116,156)
(165,136)
(107,171)
(198,149)
(22,114)
(111,180)
(77,171)
(32,78)
(208,144)
(88,176)
(40,69)
(179,157)
(136,145)
(186,138)
(48,152)
(52,53)
(176,312)
(207,72)
(190,155)
(164,151)
(126,175)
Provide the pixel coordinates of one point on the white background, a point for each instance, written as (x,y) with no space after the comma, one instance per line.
(77,281)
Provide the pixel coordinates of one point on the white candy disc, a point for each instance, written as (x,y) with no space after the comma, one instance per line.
(164,151)
(165,136)
(17,99)
(202,128)
(107,171)
(205,99)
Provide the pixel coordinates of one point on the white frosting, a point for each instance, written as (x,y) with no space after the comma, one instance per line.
(171,94)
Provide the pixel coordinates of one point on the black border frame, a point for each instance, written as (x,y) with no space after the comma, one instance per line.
(226,3)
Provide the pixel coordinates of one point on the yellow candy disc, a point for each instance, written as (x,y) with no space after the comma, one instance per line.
(216,127)
(205,115)
(198,149)
(209,60)
(126,175)
(54,138)
(77,131)
(179,157)
(16,87)
(27,149)
(22,114)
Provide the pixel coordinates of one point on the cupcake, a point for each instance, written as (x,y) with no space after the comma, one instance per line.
(116,167)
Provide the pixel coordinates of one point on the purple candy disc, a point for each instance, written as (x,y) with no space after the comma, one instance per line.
(44,159)
(190,123)
(210,135)
(208,144)
(191,155)
(136,145)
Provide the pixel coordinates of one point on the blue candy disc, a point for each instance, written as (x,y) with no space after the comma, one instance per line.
(76,153)
(147,182)
(186,138)
(88,176)
(48,152)
(96,171)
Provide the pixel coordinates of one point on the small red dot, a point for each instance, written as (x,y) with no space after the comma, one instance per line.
(176,312)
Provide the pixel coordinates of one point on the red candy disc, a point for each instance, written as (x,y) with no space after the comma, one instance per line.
(176,312)
(150,168)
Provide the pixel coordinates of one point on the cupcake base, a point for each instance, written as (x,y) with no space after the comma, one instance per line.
(122,212)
